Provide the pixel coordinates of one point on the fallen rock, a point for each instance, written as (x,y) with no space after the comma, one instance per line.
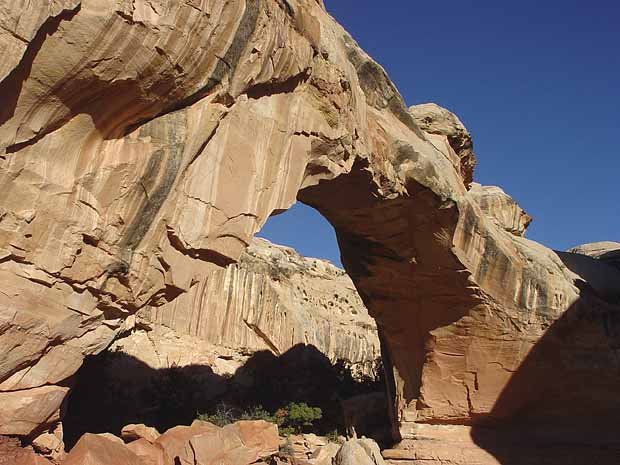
(359,452)
(134,432)
(149,453)
(97,449)
(22,412)
(12,453)
(260,436)
(324,455)
(176,440)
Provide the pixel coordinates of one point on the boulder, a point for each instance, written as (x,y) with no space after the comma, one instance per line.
(176,440)
(149,453)
(324,455)
(134,432)
(260,436)
(98,449)
(359,452)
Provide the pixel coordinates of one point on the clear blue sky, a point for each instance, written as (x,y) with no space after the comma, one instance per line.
(537,83)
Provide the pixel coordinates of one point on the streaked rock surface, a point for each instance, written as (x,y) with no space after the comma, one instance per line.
(273,299)
(144,143)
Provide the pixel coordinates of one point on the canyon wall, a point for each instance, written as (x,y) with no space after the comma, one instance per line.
(272,300)
(144,143)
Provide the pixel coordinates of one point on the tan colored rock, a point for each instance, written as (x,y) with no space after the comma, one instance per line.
(607,251)
(501,208)
(145,143)
(134,432)
(149,453)
(261,436)
(175,441)
(50,444)
(272,300)
(325,454)
(97,449)
(433,119)
(22,412)
(359,452)
(12,453)
(241,443)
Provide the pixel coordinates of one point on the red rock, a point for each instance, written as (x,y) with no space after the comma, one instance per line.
(151,454)
(94,449)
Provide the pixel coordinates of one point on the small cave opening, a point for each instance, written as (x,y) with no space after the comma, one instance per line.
(321,349)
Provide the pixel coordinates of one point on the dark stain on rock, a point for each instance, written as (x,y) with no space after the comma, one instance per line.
(157,181)
(380,92)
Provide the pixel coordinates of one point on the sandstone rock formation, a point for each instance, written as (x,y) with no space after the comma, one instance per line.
(143,143)
(272,300)
(607,251)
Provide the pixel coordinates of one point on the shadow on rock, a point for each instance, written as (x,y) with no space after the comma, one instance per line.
(114,389)
(562,403)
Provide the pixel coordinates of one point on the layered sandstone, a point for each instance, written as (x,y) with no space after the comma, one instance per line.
(274,299)
(143,144)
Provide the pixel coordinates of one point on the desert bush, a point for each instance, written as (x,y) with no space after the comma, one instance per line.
(225,414)
(291,419)
(300,415)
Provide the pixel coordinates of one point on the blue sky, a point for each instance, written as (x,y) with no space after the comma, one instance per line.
(537,85)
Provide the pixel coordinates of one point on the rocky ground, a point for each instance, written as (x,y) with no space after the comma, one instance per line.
(202,443)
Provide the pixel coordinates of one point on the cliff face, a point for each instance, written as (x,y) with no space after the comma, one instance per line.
(273,299)
(143,143)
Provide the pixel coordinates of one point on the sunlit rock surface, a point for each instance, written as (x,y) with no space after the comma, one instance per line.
(144,143)
(273,299)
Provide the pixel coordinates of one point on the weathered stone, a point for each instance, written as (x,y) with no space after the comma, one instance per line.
(97,449)
(608,252)
(359,452)
(433,119)
(150,454)
(134,432)
(22,412)
(143,144)
(175,441)
(272,300)
(501,208)
(324,455)
(261,436)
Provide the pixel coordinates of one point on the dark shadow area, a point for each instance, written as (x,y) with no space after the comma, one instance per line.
(563,403)
(114,389)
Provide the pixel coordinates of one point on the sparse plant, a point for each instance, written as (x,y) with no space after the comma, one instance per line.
(223,415)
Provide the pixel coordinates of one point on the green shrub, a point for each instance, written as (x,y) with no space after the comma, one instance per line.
(300,415)
(292,419)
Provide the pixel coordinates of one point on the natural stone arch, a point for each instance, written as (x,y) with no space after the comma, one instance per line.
(143,148)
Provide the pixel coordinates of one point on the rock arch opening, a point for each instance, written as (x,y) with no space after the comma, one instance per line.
(273,328)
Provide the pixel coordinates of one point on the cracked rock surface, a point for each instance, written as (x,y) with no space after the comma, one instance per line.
(144,143)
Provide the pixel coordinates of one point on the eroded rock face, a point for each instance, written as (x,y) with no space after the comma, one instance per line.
(274,299)
(435,120)
(144,143)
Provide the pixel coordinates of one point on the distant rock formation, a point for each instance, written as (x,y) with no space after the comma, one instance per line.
(273,299)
